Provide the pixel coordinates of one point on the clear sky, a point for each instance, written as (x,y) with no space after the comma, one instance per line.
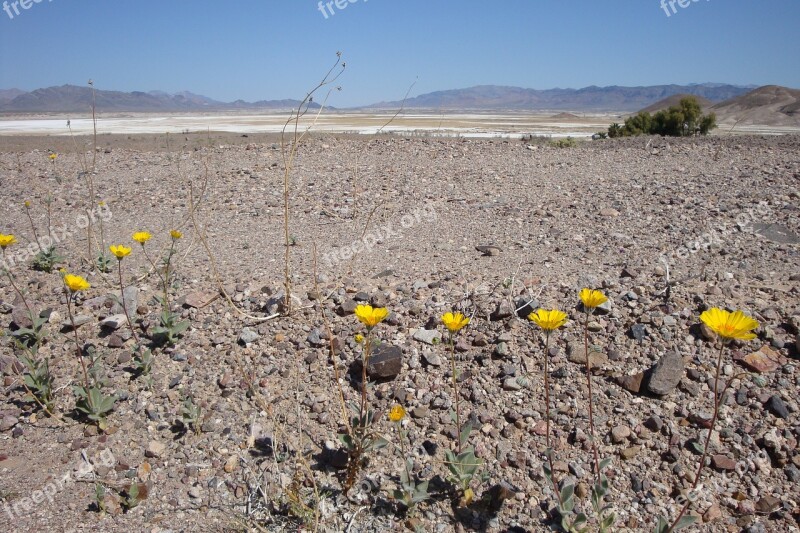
(272,49)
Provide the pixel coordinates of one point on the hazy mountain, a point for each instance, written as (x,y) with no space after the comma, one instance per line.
(75,99)
(674,101)
(771,105)
(614,98)
(6,95)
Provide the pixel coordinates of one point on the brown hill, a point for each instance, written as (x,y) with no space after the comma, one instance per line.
(771,105)
(675,100)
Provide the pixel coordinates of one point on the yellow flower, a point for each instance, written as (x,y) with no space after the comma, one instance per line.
(175,234)
(359,338)
(27,204)
(101,203)
(548,320)
(371,316)
(119,250)
(397,413)
(592,299)
(727,325)
(53,157)
(7,240)
(141,237)
(75,283)
(454,322)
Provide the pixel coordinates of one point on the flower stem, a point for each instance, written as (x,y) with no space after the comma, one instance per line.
(16,289)
(547,387)
(591,399)
(702,464)
(455,393)
(33,227)
(124,304)
(77,342)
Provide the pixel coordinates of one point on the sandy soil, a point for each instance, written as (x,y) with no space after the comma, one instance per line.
(396,221)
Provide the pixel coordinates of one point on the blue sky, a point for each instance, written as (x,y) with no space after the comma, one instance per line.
(271,49)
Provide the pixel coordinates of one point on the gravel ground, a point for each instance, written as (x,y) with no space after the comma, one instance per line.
(666,228)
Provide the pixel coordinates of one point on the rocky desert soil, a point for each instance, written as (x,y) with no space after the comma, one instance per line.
(666,228)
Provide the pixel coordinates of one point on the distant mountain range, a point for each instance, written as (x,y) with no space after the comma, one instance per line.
(722,98)
(614,98)
(74,99)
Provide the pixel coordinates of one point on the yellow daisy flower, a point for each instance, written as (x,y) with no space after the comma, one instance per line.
(75,283)
(7,240)
(141,237)
(548,320)
(397,413)
(592,299)
(370,316)
(454,321)
(120,250)
(727,325)
(175,234)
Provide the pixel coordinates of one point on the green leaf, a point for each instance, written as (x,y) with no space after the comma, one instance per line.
(605,462)
(661,525)
(567,492)
(685,521)
(464,435)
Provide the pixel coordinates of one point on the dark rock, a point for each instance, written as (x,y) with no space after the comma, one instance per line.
(777,406)
(631,383)
(767,504)
(386,362)
(654,423)
(349,306)
(638,332)
(666,374)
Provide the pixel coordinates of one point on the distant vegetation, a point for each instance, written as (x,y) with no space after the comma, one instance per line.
(683,120)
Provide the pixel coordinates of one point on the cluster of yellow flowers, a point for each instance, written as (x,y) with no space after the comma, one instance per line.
(727,325)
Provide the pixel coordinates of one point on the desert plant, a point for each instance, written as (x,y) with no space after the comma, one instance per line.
(191,414)
(591,300)
(360,438)
(38,379)
(410,492)
(728,326)
(288,154)
(568,142)
(462,463)
(47,259)
(170,326)
(91,402)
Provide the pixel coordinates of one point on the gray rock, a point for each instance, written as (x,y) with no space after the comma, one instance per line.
(8,422)
(432,358)
(777,406)
(576,353)
(80,320)
(315,338)
(666,374)
(511,384)
(428,336)
(504,310)
(248,336)
(155,449)
(386,362)
(114,322)
(638,332)
(349,306)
